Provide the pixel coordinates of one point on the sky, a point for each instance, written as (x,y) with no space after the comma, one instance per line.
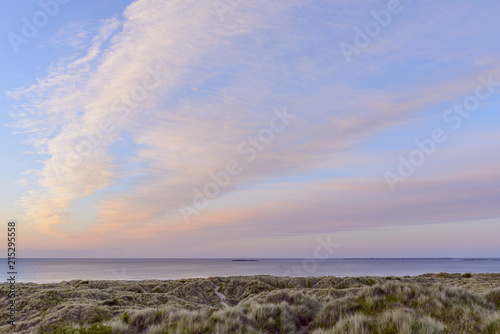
(178,129)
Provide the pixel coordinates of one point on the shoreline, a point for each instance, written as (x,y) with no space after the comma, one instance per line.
(230,276)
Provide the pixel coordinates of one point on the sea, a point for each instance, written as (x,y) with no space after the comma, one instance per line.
(58,270)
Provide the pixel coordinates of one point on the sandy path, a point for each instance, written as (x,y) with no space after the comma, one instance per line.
(303,330)
(221,296)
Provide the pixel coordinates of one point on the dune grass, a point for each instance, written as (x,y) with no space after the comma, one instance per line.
(431,303)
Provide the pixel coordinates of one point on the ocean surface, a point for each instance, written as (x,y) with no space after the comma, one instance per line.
(57,270)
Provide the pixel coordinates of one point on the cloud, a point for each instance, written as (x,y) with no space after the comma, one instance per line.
(78,94)
(216,83)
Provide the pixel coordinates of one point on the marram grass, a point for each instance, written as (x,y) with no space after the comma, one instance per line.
(431,303)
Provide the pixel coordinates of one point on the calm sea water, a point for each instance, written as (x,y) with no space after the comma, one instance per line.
(57,270)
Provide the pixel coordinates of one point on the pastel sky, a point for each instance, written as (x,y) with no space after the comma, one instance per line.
(118,114)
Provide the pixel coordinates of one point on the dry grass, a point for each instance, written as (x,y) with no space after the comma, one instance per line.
(431,303)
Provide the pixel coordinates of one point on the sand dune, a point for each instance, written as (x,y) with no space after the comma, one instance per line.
(431,303)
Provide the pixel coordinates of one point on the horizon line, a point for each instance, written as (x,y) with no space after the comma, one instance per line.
(255,258)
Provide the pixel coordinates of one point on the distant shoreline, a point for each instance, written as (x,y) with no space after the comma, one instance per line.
(257,259)
(394,277)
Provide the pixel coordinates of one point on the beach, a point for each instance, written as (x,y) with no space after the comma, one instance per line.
(429,303)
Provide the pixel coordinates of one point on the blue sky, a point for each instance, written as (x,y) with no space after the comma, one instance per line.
(117,113)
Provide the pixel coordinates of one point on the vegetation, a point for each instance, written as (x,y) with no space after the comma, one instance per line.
(59,328)
(431,303)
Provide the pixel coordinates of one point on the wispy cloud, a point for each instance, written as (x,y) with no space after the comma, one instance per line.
(220,82)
